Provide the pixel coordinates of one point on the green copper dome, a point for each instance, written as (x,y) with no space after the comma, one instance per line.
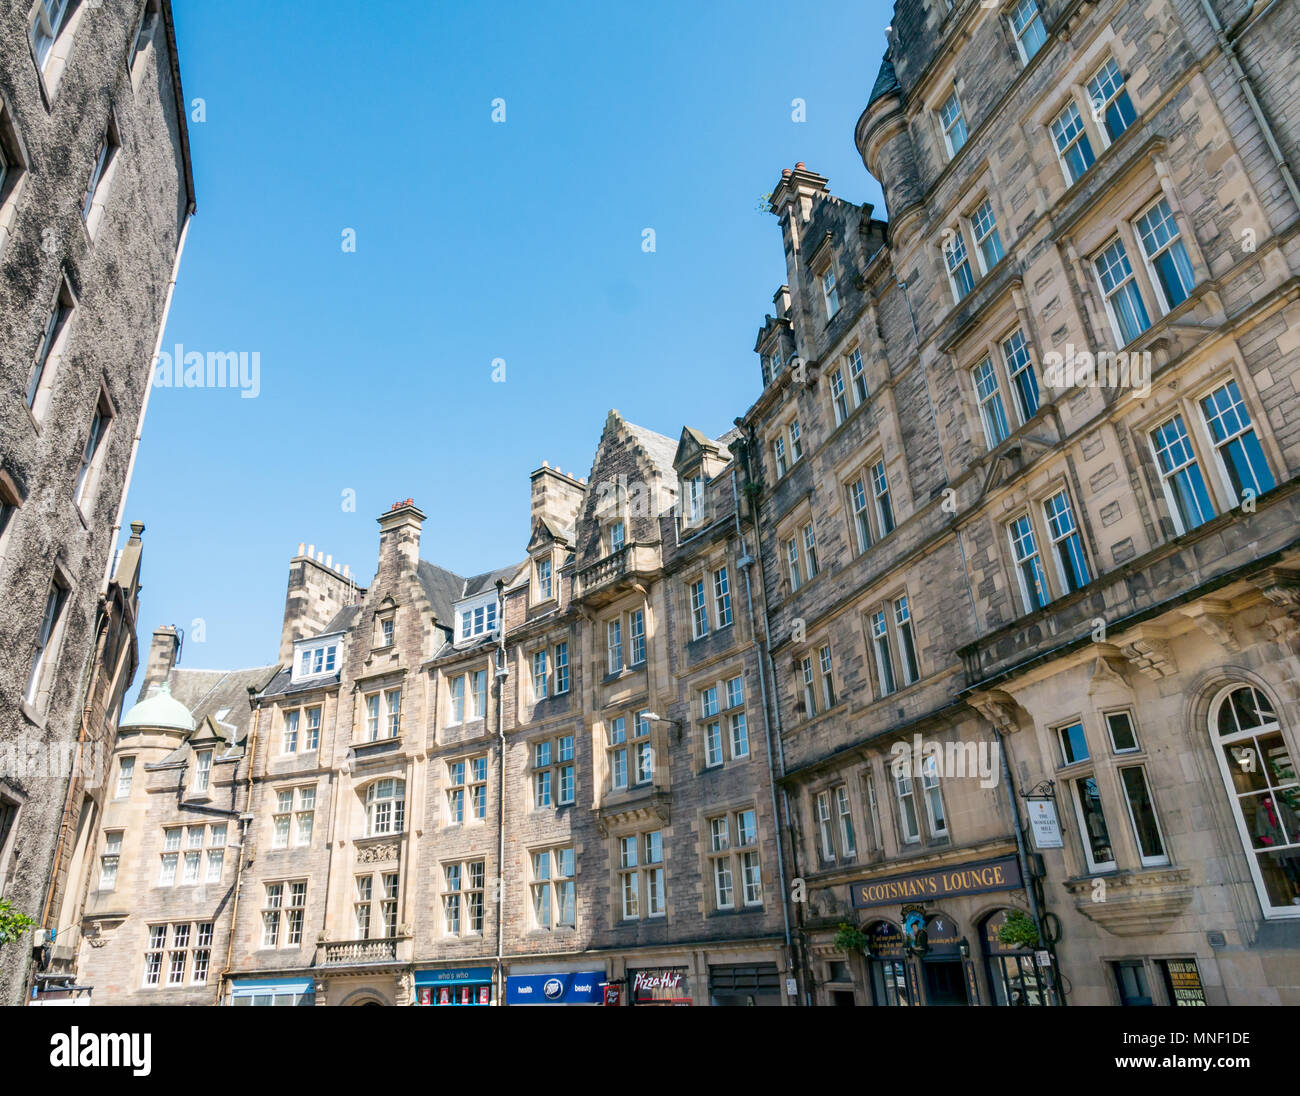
(159,711)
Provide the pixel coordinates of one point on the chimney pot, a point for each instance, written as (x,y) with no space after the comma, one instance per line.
(786,173)
(329,560)
(311,550)
(302,546)
(799,166)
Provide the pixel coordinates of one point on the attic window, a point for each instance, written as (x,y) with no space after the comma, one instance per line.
(319,658)
(693,490)
(477,620)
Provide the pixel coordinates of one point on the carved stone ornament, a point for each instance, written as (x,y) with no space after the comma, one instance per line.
(376,854)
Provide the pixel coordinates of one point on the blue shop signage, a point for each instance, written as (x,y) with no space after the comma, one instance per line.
(581,988)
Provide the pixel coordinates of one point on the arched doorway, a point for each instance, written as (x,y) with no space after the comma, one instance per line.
(1014,977)
(941,966)
(887,966)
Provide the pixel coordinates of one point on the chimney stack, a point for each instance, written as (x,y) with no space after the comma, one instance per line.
(556,497)
(399,535)
(315,594)
(163,651)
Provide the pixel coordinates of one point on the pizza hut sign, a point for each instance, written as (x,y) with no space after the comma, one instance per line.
(660,987)
(663,979)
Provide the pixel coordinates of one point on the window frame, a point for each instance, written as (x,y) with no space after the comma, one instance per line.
(1018,35)
(1056,130)
(947,129)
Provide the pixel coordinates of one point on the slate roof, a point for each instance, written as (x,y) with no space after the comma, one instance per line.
(282,684)
(727,438)
(222,694)
(660,449)
(886,80)
(481,583)
(441,587)
(342,621)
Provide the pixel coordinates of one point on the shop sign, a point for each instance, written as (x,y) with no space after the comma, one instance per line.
(1184,982)
(613,994)
(555,989)
(455,986)
(885,941)
(1044,824)
(453,974)
(942,937)
(978,878)
(660,987)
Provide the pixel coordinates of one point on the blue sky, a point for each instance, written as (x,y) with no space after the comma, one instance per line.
(474,241)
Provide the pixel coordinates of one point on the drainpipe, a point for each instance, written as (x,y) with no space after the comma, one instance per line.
(86,712)
(1023,857)
(745,563)
(501,675)
(144,404)
(1248,90)
(243,841)
(766,652)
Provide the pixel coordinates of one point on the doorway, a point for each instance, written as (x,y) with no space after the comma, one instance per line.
(945,982)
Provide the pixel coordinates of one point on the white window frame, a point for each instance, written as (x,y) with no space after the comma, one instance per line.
(947,128)
(1167,477)
(830,292)
(1062,126)
(1021,25)
(1028,539)
(721,597)
(1231,390)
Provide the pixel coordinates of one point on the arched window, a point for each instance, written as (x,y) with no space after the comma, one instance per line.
(1014,976)
(1261,780)
(385,807)
(887,965)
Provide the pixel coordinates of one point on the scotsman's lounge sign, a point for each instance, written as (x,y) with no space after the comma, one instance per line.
(977,878)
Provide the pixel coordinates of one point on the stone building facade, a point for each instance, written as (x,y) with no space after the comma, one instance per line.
(95,196)
(961,671)
(548,783)
(1028,453)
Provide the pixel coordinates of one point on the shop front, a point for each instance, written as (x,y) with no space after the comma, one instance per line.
(930,940)
(1015,978)
(273,991)
(454,986)
(561,988)
(659,986)
(740,984)
(887,967)
(943,964)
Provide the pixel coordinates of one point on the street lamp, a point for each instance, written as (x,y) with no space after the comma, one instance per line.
(655,717)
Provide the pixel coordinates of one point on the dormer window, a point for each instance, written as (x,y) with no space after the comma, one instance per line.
(316,657)
(474,620)
(202,771)
(694,491)
(544,583)
(772,365)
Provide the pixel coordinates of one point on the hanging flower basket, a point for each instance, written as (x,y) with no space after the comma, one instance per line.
(1018,931)
(850,938)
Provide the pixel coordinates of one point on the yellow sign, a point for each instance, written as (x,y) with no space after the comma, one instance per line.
(978,878)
